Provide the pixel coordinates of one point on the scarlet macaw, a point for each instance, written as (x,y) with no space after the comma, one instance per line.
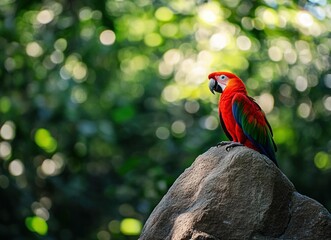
(241,117)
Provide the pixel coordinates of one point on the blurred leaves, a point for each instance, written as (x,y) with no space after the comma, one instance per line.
(104,103)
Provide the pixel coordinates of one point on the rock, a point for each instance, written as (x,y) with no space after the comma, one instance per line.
(238,194)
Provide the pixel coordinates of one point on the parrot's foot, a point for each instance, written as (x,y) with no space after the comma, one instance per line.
(230,144)
(223,143)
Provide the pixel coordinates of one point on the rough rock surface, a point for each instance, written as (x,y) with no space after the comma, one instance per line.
(238,194)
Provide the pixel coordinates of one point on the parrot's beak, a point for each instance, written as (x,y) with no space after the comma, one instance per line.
(213,86)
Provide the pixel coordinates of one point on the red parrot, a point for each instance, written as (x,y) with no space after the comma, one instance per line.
(241,117)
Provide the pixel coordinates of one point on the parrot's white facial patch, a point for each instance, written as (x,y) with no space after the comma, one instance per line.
(222,80)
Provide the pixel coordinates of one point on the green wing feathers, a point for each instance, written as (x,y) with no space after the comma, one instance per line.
(254,124)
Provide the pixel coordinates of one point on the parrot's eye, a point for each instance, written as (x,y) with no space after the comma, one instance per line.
(223,77)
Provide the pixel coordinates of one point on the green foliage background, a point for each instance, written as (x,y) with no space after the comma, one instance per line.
(104,103)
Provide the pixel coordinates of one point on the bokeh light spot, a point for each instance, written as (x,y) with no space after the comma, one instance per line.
(33,49)
(130,226)
(247,23)
(169,30)
(304,110)
(16,167)
(304,19)
(172,56)
(48,167)
(5,104)
(61,44)
(164,14)
(266,101)
(10,64)
(45,16)
(7,130)
(244,43)
(269,17)
(85,14)
(5,150)
(210,13)
(37,224)
(275,54)
(165,69)
(75,68)
(170,93)
(46,202)
(301,83)
(40,211)
(192,106)
(79,71)
(57,57)
(78,95)
(162,133)
(218,41)
(44,140)
(178,127)
(305,56)
(87,32)
(209,122)
(107,37)
(153,40)
(327,103)
(322,161)
(126,209)
(103,235)
(290,56)
(114,226)
(327,80)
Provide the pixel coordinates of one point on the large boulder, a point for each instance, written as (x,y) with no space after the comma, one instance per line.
(236,194)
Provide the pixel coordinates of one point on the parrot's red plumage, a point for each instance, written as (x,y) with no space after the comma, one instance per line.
(241,117)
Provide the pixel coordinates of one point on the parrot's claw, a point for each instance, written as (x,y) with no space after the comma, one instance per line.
(230,145)
(223,143)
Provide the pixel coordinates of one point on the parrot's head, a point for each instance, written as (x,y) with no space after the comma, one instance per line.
(219,80)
